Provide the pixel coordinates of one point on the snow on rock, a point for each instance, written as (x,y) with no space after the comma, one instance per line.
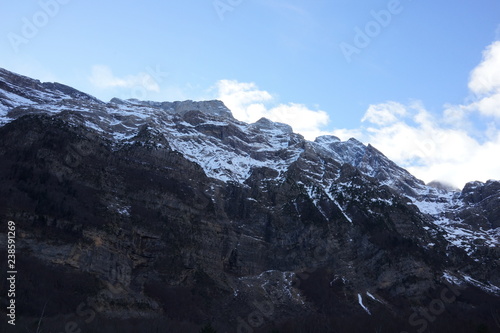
(460,279)
(276,285)
(360,301)
(232,159)
(373,297)
(452,278)
(486,287)
(444,208)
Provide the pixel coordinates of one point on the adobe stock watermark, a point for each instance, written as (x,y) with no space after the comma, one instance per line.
(373,28)
(424,316)
(223,6)
(31,26)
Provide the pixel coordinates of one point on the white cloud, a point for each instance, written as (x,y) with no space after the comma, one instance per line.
(456,115)
(485,83)
(446,147)
(303,120)
(345,134)
(485,78)
(245,100)
(433,151)
(102,77)
(248,103)
(488,106)
(386,113)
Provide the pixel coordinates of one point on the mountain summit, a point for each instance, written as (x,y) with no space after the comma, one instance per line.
(172,215)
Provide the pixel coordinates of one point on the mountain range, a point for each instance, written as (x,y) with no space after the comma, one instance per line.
(141,216)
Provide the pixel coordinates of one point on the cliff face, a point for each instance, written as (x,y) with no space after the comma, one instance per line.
(137,216)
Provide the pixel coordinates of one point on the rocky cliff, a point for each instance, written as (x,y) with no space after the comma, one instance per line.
(139,216)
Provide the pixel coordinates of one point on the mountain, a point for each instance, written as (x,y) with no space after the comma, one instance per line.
(140,216)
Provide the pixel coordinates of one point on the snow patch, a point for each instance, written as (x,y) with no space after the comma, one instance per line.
(360,301)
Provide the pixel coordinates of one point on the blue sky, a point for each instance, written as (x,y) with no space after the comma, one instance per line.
(397,74)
